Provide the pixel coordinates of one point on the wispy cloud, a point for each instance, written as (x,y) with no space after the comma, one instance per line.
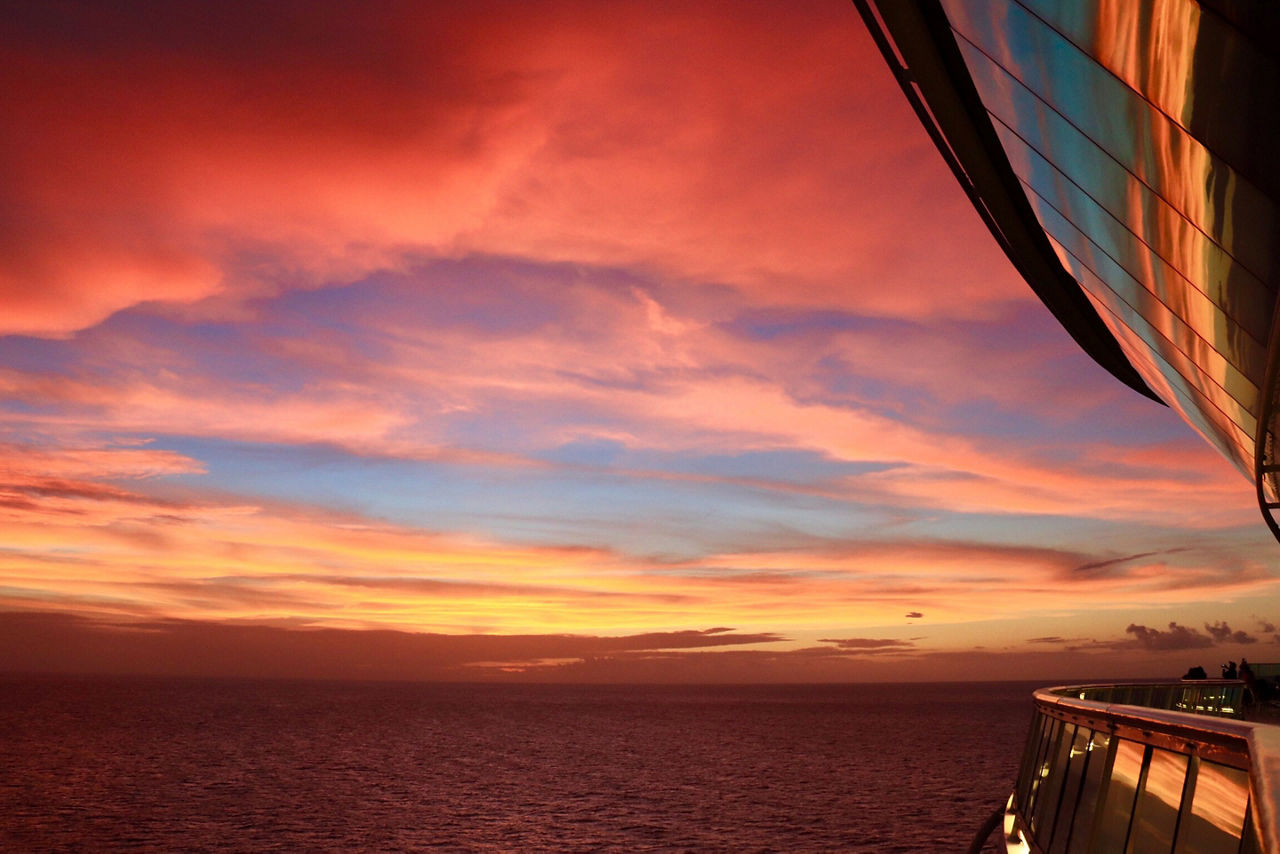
(870,646)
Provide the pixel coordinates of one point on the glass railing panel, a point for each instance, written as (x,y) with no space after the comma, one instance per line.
(1233,700)
(1187,699)
(1195,697)
(1213,701)
(1047,801)
(1094,773)
(1031,756)
(1076,762)
(1218,809)
(1030,779)
(1043,765)
(1196,700)
(1113,828)
(1265,670)
(1250,844)
(1156,818)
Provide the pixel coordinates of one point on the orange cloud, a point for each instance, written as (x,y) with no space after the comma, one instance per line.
(106,541)
(674,383)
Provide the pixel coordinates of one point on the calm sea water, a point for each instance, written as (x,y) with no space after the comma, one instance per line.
(163,765)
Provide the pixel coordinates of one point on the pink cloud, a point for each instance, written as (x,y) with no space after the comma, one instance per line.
(618,135)
(677,386)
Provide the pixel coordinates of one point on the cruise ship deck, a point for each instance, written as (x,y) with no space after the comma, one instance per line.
(1187,766)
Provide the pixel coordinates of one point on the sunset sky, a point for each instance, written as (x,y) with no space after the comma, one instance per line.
(581,341)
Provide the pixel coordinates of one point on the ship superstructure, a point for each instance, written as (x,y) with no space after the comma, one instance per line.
(1122,153)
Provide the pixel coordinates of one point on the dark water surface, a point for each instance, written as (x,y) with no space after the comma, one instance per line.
(163,765)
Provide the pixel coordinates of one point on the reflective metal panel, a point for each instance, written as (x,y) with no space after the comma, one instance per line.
(1219,383)
(1183,387)
(1219,408)
(1168,220)
(1199,345)
(1177,233)
(1200,266)
(1202,404)
(1145,140)
(1216,92)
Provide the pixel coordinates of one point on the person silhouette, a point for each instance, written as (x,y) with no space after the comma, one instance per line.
(1251,688)
(1229,670)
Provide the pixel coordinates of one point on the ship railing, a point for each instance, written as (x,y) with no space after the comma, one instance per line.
(1166,767)
(1222,698)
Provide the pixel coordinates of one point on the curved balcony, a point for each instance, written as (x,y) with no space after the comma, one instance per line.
(1147,767)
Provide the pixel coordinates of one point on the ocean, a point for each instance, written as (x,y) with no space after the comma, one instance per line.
(141,764)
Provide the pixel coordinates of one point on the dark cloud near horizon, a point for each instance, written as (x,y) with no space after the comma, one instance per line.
(60,643)
(1049,639)
(868,644)
(1222,633)
(1176,637)
(35,642)
(914,615)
